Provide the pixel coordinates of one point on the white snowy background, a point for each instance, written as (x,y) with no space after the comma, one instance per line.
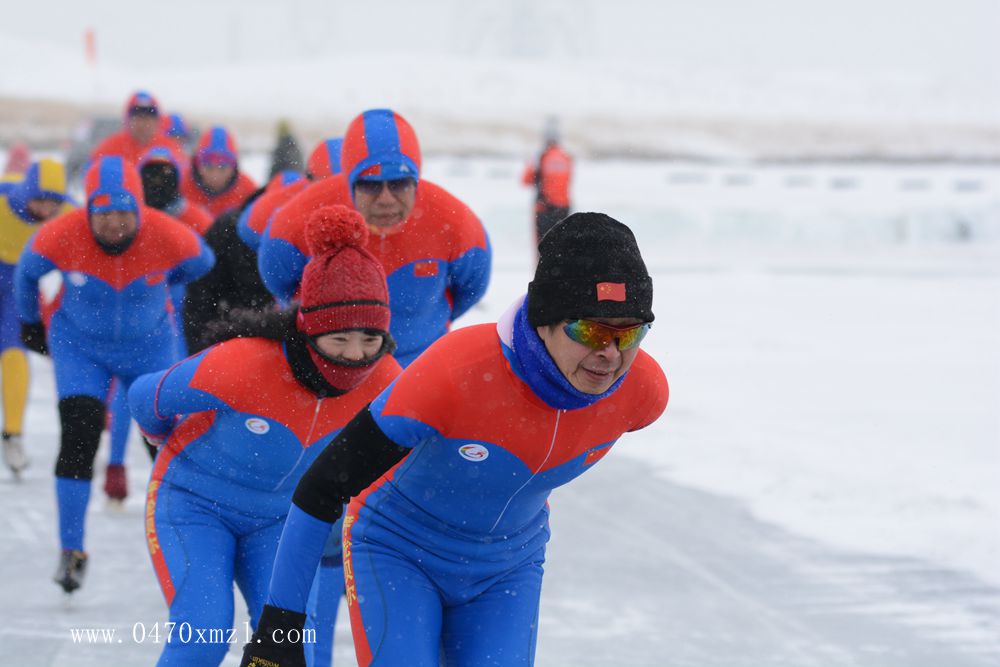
(828,326)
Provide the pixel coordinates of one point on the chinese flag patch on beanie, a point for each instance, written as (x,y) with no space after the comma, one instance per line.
(589,266)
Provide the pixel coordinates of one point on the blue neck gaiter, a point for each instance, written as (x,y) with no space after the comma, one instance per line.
(535,366)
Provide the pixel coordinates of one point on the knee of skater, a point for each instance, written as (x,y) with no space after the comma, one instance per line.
(82,419)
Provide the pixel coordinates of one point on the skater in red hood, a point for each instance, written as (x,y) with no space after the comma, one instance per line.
(142,131)
(118,259)
(162,173)
(434,249)
(215,180)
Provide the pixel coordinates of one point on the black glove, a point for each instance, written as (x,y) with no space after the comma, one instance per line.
(33,337)
(277,641)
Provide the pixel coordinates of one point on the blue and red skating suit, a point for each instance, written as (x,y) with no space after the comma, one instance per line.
(255,218)
(323,162)
(437,262)
(241,449)
(122,144)
(217,140)
(469,503)
(218,203)
(196,217)
(222,483)
(512,447)
(110,298)
(113,312)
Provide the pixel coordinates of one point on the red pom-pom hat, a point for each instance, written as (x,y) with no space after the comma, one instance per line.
(343,285)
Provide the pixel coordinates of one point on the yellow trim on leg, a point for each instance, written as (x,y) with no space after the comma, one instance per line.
(14,367)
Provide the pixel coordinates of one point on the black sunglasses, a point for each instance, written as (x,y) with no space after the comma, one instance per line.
(397,186)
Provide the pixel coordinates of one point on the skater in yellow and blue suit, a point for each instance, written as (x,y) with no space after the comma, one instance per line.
(25,203)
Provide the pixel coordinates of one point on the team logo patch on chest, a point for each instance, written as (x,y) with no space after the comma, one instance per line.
(76,278)
(257,426)
(474,453)
(155,278)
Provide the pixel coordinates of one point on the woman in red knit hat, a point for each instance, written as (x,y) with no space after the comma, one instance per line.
(230,458)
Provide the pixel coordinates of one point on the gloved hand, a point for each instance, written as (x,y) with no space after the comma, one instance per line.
(277,641)
(33,337)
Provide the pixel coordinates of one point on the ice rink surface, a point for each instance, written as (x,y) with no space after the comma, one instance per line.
(822,489)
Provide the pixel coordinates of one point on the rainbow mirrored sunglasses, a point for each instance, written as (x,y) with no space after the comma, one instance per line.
(598,336)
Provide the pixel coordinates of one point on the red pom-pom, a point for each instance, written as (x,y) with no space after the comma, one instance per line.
(333,227)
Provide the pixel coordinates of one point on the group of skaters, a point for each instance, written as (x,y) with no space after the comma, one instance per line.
(316,429)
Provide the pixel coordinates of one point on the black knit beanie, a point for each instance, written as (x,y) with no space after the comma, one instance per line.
(589,266)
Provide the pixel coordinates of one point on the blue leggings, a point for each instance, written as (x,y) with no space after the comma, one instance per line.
(10,325)
(85,368)
(405,613)
(121,423)
(321,611)
(199,548)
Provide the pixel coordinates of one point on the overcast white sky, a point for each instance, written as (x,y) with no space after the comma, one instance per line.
(659,76)
(958,36)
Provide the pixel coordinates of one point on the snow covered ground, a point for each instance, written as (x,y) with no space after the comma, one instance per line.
(829,336)
(822,489)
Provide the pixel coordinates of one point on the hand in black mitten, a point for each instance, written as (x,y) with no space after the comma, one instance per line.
(277,641)
(33,337)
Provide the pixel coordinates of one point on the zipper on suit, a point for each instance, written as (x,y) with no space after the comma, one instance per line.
(552,446)
(305,445)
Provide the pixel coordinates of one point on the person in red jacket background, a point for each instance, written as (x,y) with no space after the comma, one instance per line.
(550,177)
(142,131)
(215,180)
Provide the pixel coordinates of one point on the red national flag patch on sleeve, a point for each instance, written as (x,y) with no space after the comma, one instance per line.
(425,269)
(610,291)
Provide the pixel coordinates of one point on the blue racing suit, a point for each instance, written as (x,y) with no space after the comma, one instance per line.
(222,483)
(450,472)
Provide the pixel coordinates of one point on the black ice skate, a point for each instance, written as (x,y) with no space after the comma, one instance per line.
(72,567)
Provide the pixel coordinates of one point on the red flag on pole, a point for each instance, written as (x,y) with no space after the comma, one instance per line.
(90,46)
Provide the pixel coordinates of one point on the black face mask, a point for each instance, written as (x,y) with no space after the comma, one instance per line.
(114,248)
(160,184)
